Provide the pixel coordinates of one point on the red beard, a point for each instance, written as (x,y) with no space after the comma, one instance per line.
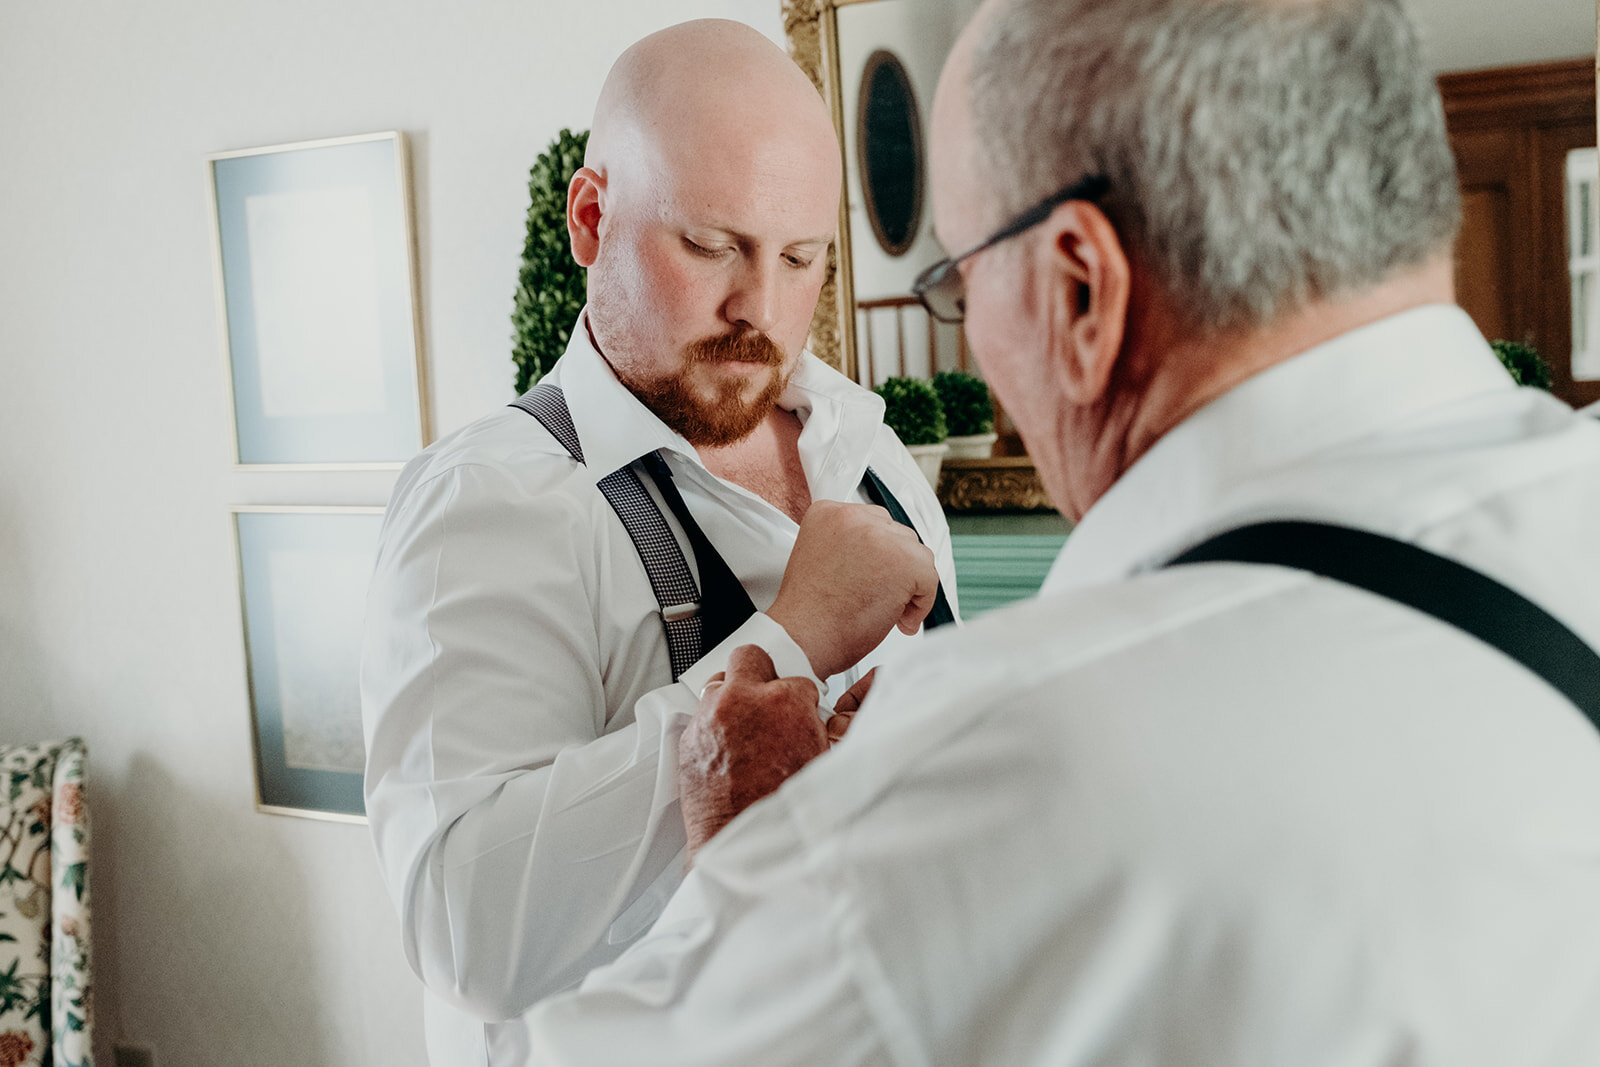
(725,417)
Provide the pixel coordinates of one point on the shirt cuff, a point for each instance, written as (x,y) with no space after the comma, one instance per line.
(788,658)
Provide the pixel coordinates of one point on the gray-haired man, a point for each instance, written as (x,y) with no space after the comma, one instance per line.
(1214,813)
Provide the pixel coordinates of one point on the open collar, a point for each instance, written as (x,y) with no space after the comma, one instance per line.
(840,420)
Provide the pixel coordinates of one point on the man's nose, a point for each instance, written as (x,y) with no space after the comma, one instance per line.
(754,300)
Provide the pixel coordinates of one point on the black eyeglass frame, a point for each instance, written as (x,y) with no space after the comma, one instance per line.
(1088,188)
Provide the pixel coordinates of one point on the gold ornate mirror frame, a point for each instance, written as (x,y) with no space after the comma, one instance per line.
(1000,483)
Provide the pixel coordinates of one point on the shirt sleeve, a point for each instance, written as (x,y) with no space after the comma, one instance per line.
(788,658)
(525,837)
(758,959)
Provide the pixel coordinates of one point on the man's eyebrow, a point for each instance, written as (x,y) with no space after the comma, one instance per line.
(745,238)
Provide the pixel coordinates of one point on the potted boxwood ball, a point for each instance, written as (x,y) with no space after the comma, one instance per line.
(1524,363)
(968,414)
(551,287)
(912,410)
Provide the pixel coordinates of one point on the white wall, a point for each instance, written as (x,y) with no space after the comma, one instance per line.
(1458,34)
(1469,34)
(225,936)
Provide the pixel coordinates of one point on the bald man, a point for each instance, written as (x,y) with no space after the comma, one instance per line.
(525,678)
(1324,789)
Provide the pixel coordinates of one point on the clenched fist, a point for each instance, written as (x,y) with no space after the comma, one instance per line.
(854,575)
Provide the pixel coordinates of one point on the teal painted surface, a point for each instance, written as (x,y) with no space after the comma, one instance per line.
(993,570)
(1029,523)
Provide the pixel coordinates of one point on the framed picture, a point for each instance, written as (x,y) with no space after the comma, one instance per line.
(303,574)
(317,288)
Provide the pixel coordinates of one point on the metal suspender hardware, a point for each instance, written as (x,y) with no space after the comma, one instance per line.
(724,604)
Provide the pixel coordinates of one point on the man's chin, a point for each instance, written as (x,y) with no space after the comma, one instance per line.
(726,423)
(715,419)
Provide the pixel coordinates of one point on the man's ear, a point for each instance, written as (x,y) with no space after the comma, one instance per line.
(584,194)
(1089,285)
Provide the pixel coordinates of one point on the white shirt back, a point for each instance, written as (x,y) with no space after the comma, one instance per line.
(1212,815)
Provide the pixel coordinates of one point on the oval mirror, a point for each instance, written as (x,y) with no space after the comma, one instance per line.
(889,150)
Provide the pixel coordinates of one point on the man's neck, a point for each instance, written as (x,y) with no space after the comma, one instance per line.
(767,463)
(1170,374)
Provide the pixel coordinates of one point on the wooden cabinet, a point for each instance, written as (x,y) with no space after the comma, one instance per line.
(1511,130)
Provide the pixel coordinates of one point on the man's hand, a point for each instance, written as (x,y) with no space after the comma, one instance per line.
(854,575)
(844,711)
(753,731)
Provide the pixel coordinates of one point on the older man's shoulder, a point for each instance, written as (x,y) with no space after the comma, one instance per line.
(960,674)
(1055,633)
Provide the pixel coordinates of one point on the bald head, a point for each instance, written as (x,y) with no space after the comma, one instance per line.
(701,91)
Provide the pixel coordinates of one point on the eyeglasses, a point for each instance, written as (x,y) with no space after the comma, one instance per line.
(940,287)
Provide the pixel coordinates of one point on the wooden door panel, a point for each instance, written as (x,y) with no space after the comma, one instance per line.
(1511,129)
(1553,308)
(1483,244)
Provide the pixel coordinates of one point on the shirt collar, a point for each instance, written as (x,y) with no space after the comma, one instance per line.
(1323,398)
(840,420)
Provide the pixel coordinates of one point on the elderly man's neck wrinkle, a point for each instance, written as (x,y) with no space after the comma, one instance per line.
(1170,377)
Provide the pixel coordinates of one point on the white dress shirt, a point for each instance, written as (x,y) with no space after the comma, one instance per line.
(521,729)
(1208,815)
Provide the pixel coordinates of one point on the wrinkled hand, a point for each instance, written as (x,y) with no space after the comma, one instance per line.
(844,712)
(854,575)
(753,731)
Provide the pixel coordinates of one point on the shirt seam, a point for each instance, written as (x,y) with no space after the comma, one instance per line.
(889,1019)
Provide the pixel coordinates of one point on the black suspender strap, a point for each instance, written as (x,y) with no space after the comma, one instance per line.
(697,617)
(941,614)
(670,579)
(1449,591)
(724,604)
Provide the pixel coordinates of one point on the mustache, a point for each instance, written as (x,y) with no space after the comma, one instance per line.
(751,347)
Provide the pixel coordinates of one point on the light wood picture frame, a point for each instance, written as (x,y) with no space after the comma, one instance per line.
(317,293)
(1002,483)
(303,574)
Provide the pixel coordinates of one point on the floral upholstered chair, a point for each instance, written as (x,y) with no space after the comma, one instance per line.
(44,906)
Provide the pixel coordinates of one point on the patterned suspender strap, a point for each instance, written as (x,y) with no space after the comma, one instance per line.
(670,577)
(724,604)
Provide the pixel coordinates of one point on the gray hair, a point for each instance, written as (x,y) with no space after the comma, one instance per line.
(1260,154)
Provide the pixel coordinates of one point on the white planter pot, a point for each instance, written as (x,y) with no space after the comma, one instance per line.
(972,446)
(928,458)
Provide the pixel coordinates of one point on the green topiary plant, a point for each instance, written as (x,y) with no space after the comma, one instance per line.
(550,285)
(912,410)
(965,398)
(1527,367)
